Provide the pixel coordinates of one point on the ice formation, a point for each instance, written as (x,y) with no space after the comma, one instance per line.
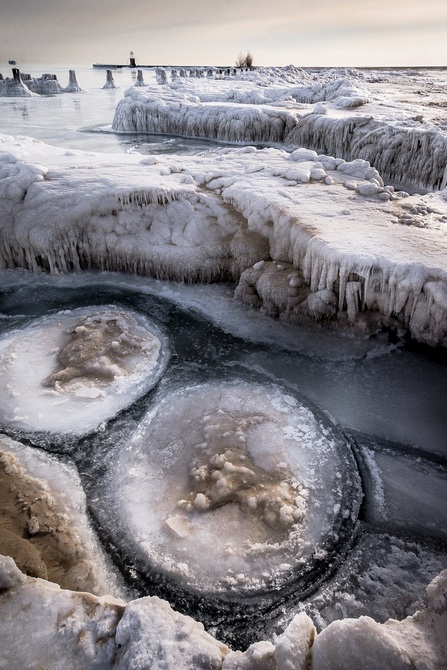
(140,80)
(24,85)
(401,154)
(72,86)
(236,469)
(110,82)
(342,93)
(176,113)
(72,371)
(14,87)
(344,247)
(152,220)
(88,632)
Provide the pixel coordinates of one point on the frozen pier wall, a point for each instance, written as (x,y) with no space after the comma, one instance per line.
(403,155)
(180,114)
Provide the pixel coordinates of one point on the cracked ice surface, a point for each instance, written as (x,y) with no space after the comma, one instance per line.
(70,372)
(231,486)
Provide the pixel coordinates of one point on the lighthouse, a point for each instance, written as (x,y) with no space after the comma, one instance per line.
(132,60)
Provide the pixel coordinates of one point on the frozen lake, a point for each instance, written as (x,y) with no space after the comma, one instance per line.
(382,399)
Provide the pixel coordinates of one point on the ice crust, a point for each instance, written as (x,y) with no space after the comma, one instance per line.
(236,469)
(256,115)
(400,154)
(181,114)
(70,372)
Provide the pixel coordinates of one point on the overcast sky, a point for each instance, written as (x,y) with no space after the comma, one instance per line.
(276,32)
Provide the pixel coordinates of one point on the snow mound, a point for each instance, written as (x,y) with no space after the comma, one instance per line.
(70,372)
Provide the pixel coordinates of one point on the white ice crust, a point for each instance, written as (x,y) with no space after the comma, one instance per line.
(70,372)
(228,486)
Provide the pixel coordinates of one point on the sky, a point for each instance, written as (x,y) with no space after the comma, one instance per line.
(206,32)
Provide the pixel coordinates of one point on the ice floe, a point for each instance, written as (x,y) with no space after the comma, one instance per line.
(233,487)
(70,372)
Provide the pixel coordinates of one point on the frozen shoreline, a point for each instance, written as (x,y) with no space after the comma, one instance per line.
(346,250)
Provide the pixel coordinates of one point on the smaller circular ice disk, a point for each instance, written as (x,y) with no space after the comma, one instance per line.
(70,372)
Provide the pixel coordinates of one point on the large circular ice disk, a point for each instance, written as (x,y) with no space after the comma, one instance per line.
(70,372)
(230,487)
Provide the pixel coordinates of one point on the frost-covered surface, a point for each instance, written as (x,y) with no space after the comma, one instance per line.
(345,248)
(44,522)
(73,371)
(232,486)
(83,631)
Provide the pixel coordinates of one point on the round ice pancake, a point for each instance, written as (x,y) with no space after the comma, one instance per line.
(232,487)
(69,372)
